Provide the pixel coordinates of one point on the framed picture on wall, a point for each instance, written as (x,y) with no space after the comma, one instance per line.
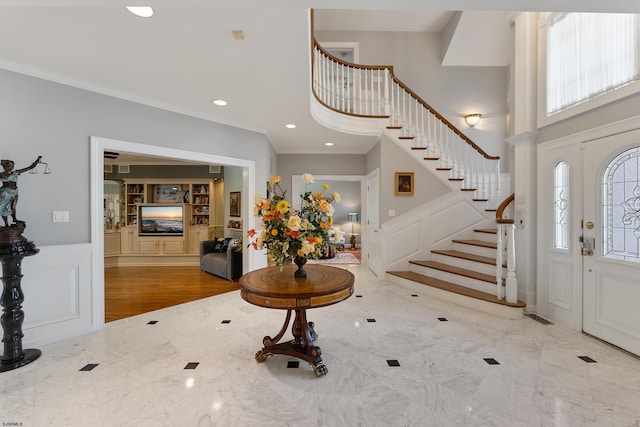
(404,183)
(234,203)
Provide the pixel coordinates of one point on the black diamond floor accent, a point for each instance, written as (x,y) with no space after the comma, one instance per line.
(538,319)
(414,295)
(358,296)
(226,321)
(371,320)
(293,364)
(192,365)
(152,322)
(491,361)
(393,362)
(89,367)
(442,319)
(587,359)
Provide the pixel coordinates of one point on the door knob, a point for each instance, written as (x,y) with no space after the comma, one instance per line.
(589,225)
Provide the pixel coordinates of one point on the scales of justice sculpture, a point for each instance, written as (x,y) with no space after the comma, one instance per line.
(13,248)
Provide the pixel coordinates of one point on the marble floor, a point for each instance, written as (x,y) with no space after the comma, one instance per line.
(395,358)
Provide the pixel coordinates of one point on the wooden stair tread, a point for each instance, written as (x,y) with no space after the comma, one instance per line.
(466,255)
(406,137)
(457,270)
(451,287)
(467,189)
(486,230)
(432,158)
(481,243)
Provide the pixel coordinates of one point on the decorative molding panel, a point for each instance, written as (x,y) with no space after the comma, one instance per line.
(57,294)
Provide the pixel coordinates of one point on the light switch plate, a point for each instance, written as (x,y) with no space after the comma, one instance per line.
(60,216)
(392,212)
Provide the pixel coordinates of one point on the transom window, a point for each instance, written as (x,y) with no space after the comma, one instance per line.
(621,207)
(586,56)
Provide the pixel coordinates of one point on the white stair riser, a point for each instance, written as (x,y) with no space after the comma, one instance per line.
(464,263)
(468,282)
(485,237)
(476,250)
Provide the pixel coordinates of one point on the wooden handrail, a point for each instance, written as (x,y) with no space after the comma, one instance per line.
(501,209)
(400,83)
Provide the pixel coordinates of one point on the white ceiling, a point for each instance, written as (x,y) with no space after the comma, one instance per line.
(185,56)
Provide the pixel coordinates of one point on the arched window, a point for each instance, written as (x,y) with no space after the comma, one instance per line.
(621,207)
(561,206)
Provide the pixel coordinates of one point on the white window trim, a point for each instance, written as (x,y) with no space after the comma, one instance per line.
(545,119)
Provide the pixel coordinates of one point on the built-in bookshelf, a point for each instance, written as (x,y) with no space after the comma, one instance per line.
(200,204)
(135,196)
(196,195)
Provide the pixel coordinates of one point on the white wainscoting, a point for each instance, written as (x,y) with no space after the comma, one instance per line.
(57,294)
(413,235)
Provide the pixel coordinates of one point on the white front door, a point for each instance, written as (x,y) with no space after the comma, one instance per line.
(372,255)
(559,269)
(611,262)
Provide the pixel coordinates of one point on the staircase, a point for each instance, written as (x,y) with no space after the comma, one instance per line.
(463,275)
(361,99)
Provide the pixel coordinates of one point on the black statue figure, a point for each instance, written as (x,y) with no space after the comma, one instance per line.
(9,189)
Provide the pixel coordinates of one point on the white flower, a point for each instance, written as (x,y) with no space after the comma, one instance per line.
(258,199)
(260,241)
(308,248)
(336,196)
(294,222)
(307,178)
(331,210)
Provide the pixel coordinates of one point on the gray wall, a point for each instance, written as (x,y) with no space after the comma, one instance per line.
(452,91)
(427,186)
(38,117)
(317,164)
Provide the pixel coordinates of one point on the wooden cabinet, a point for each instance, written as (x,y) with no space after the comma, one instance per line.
(111,244)
(128,238)
(195,236)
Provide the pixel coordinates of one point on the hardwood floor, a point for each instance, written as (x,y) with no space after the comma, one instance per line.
(135,290)
(129,291)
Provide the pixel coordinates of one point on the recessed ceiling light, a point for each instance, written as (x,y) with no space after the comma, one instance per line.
(220,102)
(290,126)
(329,144)
(141,11)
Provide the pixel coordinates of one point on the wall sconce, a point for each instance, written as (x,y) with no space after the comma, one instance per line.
(472,119)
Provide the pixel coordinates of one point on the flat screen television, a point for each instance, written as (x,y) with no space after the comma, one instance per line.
(161,220)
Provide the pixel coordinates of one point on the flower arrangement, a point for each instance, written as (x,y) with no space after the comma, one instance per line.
(287,233)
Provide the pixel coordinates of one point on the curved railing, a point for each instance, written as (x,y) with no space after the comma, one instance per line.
(374,91)
(506,249)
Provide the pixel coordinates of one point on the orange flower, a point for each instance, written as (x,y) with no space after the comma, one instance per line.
(274,232)
(324,205)
(293,233)
(276,179)
(251,232)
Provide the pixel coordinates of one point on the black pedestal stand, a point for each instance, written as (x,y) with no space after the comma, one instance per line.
(13,248)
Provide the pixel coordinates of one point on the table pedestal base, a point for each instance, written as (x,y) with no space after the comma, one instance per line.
(301,346)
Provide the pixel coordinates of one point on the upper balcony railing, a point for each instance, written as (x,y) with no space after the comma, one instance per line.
(374,91)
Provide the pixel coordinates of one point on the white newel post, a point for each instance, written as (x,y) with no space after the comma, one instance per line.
(511,281)
(499,252)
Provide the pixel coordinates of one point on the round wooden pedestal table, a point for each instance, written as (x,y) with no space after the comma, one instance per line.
(271,288)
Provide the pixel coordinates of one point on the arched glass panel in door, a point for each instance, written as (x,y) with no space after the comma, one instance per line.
(621,207)
(561,206)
